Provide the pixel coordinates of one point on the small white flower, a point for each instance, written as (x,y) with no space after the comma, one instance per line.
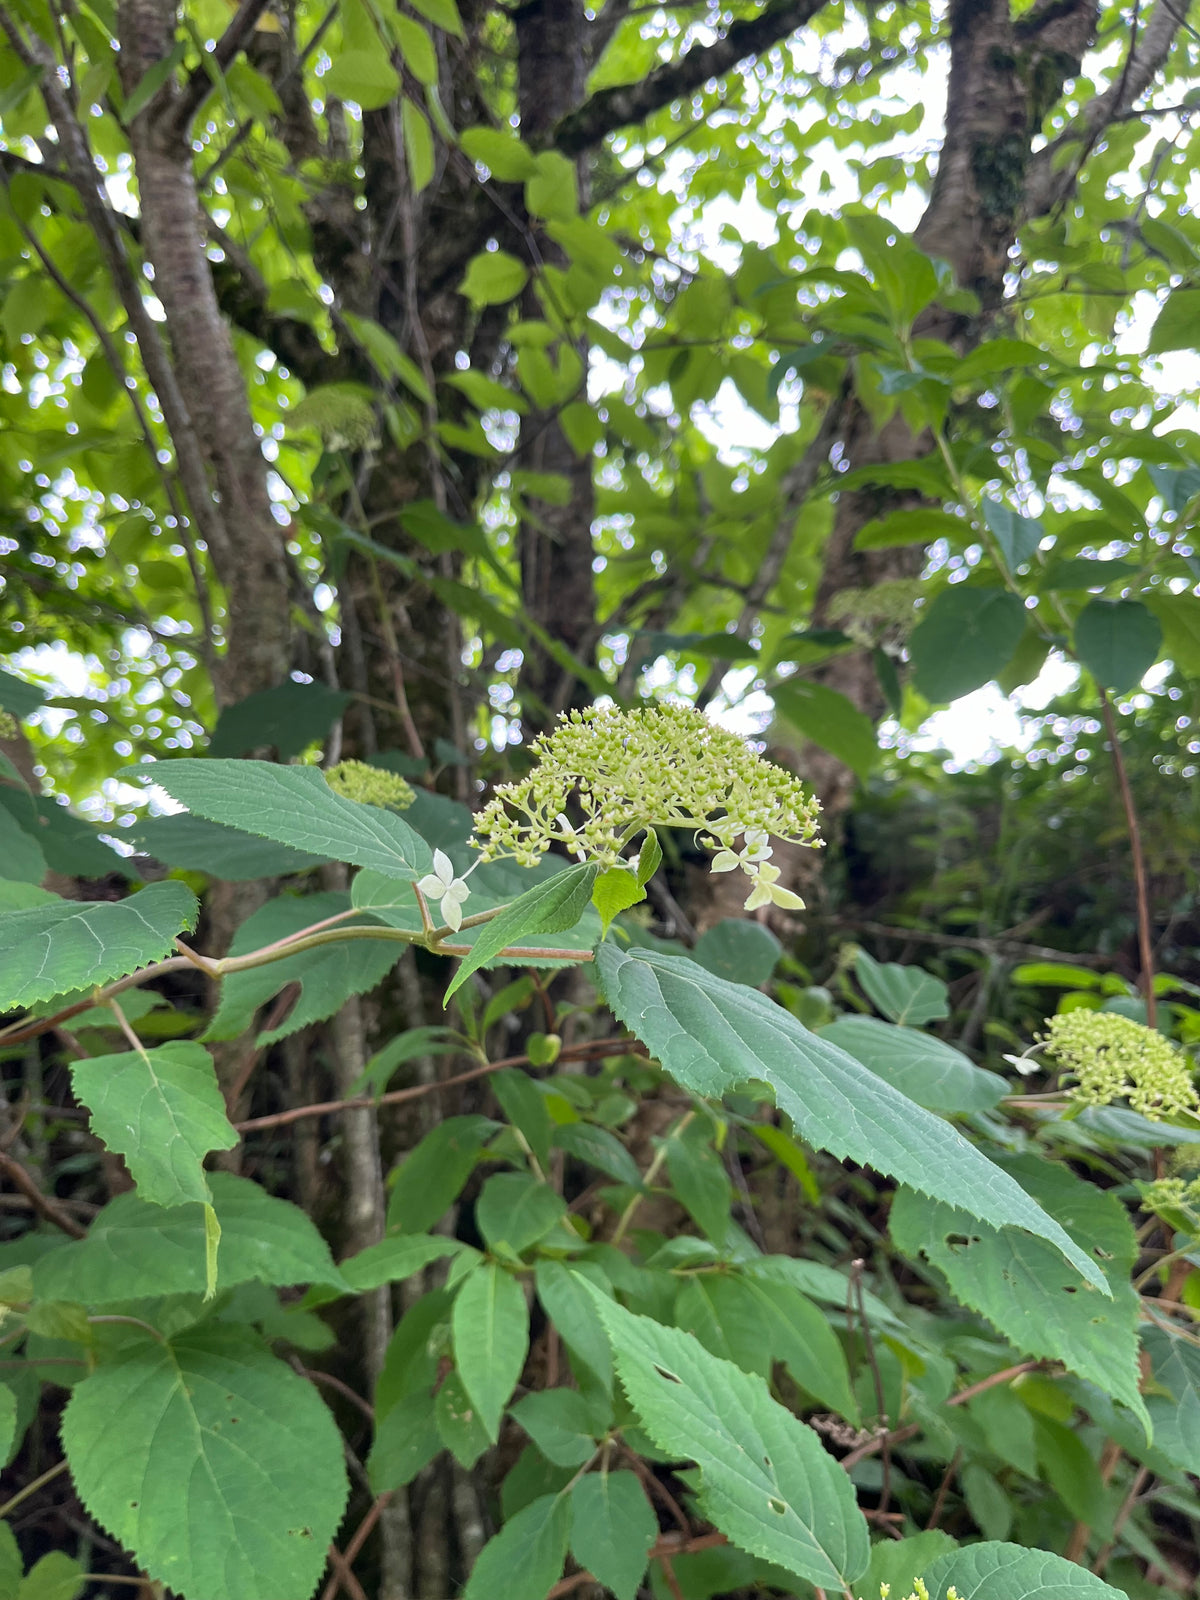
(767,892)
(442,886)
(756,848)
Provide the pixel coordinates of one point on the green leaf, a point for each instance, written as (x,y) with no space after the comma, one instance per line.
(1173,1398)
(765,1479)
(699,1180)
(899,1562)
(525,1559)
(491,1340)
(418,140)
(417,49)
(550,907)
(429,1179)
(559,1422)
(1010,1572)
(1175,326)
(162,1110)
(1055,975)
(53,948)
(516,1209)
(152,81)
(327,975)
(907,995)
(290,717)
(135,1250)
(965,638)
(566,1301)
(396,1258)
(830,720)
(19,851)
(524,1105)
(799,1335)
(407,1046)
(739,951)
(1118,642)
(8,1421)
(552,192)
(933,1074)
(598,1148)
(442,13)
(225,1477)
(1017,536)
(612,1530)
(11,1564)
(615,889)
(712,1036)
(501,151)
(183,840)
(365,76)
(912,527)
(493,278)
(18,697)
(293,806)
(458,1424)
(1085,572)
(54,1577)
(1021,1284)
(406,1441)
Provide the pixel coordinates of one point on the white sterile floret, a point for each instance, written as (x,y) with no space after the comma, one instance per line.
(443,887)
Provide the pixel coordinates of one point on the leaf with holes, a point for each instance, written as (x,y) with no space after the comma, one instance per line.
(1023,1286)
(766,1481)
(713,1036)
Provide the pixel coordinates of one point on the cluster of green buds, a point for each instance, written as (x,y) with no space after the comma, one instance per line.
(1112,1057)
(920,1591)
(1172,1194)
(604,777)
(371,786)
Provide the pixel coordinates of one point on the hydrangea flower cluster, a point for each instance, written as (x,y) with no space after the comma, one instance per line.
(623,773)
(1171,1194)
(1111,1057)
(372,786)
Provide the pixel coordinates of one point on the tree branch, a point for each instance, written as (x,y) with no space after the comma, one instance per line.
(199,85)
(611,109)
(1051,177)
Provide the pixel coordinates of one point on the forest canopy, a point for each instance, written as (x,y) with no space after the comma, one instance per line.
(599,666)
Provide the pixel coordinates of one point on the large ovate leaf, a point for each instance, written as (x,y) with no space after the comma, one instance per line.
(712,1036)
(63,945)
(135,1250)
(162,1110)
(225,1477)
(1010,1572)
(1023,1286)
(548,908)
(925,1069)
(738,949)
(293,806)
(327,975)
(491,1339)
(766,1481)
(964,639)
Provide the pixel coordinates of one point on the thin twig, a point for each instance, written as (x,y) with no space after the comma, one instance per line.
(360,1538)
(22,1495)
(1140,881)
(939,1499)
(41,1203)
(590,1050)
(911,1429)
